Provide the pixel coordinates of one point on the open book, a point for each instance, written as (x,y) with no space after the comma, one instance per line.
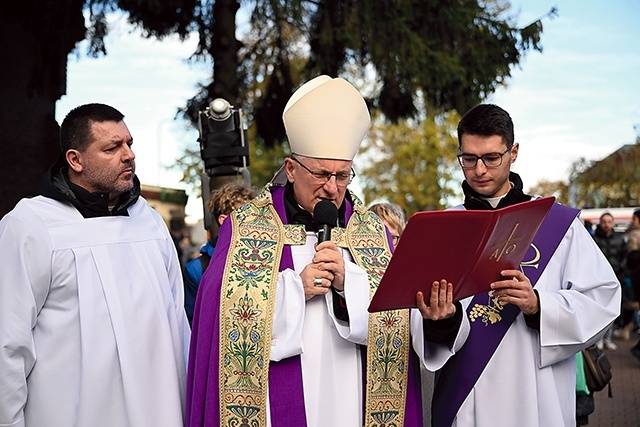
(467,248)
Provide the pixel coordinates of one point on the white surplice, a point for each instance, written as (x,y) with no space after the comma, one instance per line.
(330,356)
(92,325)
(530,380)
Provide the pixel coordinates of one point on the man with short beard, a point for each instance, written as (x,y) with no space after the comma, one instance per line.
(92,326)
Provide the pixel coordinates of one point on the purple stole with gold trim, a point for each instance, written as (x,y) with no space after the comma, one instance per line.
(458,377)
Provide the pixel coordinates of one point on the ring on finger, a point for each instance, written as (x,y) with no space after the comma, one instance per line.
(317,282)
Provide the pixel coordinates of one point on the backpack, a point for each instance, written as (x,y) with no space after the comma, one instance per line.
(597,369)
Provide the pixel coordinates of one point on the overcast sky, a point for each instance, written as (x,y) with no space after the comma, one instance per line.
(579,98)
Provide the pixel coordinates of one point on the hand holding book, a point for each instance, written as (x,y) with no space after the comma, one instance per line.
(440,303)
(516,289)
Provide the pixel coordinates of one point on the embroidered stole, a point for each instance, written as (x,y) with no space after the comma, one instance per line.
(388,340)
(489,323)
(246,313)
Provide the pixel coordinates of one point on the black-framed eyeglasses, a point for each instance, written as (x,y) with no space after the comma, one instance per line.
(342,178)
(490,160)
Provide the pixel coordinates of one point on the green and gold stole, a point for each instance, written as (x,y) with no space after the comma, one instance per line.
(246,313)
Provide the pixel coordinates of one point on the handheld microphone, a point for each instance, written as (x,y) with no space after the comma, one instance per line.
(325,215)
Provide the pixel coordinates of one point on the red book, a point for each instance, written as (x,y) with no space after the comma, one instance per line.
(467,248)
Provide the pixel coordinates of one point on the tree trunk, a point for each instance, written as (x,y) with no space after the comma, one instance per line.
(36,37)
(226,82)
(224,51)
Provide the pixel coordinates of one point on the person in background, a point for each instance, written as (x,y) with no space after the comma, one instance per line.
(92,325)
(393,217)
(517,365)
(281,321)
(614,247)
(222,202)
(178,233)
(633,264)
(589,226)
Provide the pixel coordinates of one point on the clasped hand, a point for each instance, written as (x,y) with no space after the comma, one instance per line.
(325,270)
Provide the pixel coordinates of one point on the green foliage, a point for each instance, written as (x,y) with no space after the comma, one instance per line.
(157,18)
(558,189)
(192,168)
(272,58)
(402,53)
(410,163)
(453,54)
(264,163)
(612,181)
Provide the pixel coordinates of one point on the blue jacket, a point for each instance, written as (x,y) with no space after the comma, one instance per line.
(192,274)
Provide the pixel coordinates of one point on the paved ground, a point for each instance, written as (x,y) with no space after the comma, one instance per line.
(623,410)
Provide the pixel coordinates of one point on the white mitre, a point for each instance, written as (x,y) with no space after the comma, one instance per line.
(325,118)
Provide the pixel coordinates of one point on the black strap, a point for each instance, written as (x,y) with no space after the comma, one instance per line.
(204,261)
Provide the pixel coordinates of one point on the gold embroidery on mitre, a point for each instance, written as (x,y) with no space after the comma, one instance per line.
(388,341)
(246,311)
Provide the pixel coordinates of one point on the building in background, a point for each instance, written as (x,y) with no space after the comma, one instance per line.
(611,182)
(169,202)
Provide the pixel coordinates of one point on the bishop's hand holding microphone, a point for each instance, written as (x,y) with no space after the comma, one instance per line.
(327,265)
(325,217)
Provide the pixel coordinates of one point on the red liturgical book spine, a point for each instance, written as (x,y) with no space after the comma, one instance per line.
(467,248)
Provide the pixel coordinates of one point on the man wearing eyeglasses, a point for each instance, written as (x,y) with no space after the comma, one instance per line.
(281,332)
(519,369)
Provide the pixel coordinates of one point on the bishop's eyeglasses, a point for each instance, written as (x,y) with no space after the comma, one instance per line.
(490,160)
(342,178)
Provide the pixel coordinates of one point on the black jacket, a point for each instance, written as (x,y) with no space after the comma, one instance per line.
(473,201)
(614,248)
(55,184)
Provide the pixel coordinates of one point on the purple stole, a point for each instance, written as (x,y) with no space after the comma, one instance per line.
(458,377)
(286,395)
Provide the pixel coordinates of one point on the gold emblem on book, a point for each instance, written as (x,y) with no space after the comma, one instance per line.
(490,313)
(506,247)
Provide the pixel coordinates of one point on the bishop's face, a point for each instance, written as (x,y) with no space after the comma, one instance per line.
(318,179)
